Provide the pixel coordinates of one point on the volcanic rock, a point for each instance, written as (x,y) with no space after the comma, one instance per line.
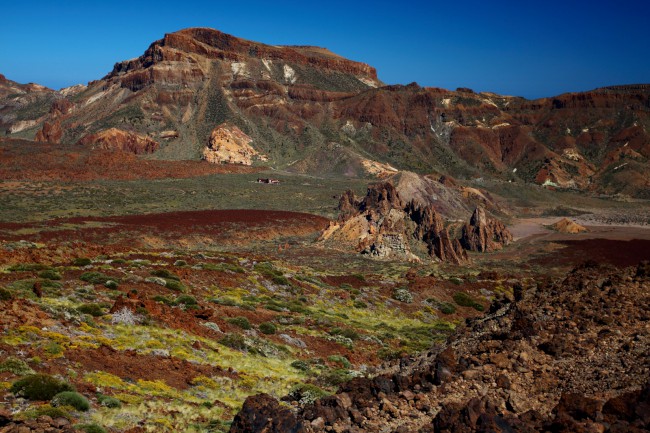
(230,145)
(484,234)
(117,139)
(263,414)
(600,384)
(565,225)
(51,132)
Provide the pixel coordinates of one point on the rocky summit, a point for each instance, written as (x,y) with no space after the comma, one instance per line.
(309,110)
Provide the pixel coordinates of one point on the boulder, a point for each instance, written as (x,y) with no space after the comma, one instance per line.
(262,413)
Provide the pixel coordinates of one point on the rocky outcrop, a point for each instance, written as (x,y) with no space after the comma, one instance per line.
(383,226)
(230,145)
(565,225)
(559,357)
(117,139)
(51,132)
(263,414)
(484,234)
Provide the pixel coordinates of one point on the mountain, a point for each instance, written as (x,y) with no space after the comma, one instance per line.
(308,110)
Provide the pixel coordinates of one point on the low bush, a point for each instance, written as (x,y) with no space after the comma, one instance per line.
(95,277)
(90,428)
(39,387)
(464,300)
(5,294)
(49,274)
(108,401)
(402,294)
(15,366)
(186,300)
(180,263)
(234,341)
(166,274)
(300,365)
(340,359)
(345,332)
(447,308)
(240,321)
(111,284)
(81,261)
(174,285)
(268,328)
(45,410)
(94,310)
(71,398)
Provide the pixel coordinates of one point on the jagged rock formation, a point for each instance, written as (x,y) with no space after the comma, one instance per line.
(484,234)
(228,144)
(565,225)
(117,139)
(384,226)
(570,356)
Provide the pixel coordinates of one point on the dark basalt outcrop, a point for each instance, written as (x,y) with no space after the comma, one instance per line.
(263,413)
(496,375)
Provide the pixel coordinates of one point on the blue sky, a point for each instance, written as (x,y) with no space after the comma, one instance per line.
(531,49)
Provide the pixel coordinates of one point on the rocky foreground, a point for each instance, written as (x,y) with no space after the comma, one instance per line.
(570,356)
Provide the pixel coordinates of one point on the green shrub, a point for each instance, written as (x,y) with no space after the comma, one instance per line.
(174,285)
(447,308)
(268,328)
(15,366)
(108,401)
(71,398)
(111,284)
(166,274)
(360,304)
(90,428)
(45,410)
(340,359)
(240,321)
(402,294)
(186,300)
(280,279)
(300,365)
(81,261)
(165,300)
(457,281)
(94,277)
(335,377)
(345,332)
(234,341)
(229,302)
(464,300)
(180,263)
(49,274)
(39,387)
(94,310)
(5,294)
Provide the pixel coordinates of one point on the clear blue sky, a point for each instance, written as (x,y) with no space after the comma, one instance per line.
(524,48)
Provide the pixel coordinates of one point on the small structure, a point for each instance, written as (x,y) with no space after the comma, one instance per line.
(268,180)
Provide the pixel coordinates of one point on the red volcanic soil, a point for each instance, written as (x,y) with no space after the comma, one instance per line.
(27,160)
(101,235)
(615,252)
